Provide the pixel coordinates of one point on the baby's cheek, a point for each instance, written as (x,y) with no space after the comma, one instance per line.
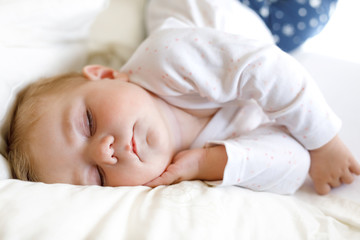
(157,140)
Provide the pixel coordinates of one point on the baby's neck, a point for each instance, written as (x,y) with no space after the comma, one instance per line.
(184,126)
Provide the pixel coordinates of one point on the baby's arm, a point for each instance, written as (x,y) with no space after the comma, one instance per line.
(332,165)
(265,159)
(194,164)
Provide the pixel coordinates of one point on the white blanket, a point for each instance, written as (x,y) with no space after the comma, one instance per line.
(189,210)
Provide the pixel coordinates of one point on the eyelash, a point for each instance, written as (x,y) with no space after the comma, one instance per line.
(91,126)
(90,122)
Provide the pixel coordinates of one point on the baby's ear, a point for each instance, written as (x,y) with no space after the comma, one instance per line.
(99,72)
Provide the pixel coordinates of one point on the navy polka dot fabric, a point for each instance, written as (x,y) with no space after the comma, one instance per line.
(292,22)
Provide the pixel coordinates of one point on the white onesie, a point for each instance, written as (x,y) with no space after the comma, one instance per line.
(270,109)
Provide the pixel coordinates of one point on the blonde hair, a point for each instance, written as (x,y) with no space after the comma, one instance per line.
(26,113)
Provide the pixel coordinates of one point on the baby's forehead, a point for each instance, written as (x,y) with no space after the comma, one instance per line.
(43,103)
(65,86)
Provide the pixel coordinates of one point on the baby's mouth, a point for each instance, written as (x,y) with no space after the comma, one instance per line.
(133,145)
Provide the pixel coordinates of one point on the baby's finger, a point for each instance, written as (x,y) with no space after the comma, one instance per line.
(165,179)
(355,167)
(335,183)
(347,178)
(154,183)
(322,189)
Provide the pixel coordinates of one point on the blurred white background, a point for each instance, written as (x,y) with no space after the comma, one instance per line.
(341,36)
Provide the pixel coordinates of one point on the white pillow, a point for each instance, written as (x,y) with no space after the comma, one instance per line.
(5,171)
(40,38)
(117,32)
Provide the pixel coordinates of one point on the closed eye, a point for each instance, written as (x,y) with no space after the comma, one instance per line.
(90,122)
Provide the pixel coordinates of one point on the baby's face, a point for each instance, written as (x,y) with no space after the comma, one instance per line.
(105,132)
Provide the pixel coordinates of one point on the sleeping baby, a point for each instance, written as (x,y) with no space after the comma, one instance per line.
(192,103)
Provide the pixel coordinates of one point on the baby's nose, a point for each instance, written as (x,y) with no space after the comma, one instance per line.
(104,151)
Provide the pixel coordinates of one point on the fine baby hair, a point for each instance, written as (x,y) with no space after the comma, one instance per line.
(27,110)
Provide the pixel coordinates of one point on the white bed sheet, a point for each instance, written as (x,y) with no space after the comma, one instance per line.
(189,210)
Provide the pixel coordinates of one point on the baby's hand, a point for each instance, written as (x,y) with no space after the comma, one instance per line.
(185,166)
(194,164)
(332,165)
